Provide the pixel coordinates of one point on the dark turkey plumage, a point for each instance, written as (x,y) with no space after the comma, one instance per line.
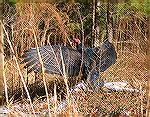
(52,60)
(95,60)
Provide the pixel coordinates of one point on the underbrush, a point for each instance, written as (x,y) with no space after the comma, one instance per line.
(84,102)
(51,95)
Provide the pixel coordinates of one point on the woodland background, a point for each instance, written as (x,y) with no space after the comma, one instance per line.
(55,21)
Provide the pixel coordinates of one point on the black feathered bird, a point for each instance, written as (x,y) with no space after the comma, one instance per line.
(95,60)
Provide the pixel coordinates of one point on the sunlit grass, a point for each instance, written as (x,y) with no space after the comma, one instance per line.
(130,67)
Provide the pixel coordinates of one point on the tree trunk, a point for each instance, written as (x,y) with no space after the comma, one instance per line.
(93,26)
(110,20)
(1,53)
(97,28)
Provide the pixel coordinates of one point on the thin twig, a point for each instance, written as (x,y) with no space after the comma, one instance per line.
(82,30)
(55,99)
(65,80)
(3,72)
(42,67)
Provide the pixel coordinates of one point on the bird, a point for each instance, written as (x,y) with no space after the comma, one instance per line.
(62,60)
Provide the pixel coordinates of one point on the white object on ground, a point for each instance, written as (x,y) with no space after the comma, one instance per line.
(119,86)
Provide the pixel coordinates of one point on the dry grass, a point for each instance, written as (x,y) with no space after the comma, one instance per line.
(130,67)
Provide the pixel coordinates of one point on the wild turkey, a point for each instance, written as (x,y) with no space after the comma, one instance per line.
(95,60)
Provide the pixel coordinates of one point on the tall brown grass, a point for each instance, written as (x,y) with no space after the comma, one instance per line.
(130,41)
